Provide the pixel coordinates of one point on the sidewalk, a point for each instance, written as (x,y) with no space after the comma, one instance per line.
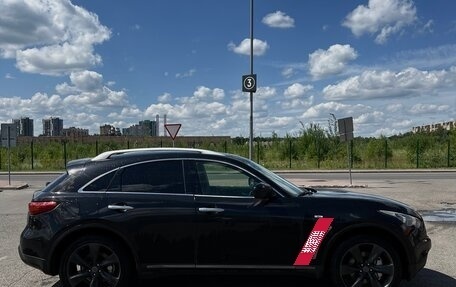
(322,183)
(5,184)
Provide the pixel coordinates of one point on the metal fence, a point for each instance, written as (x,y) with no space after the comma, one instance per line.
(290,153)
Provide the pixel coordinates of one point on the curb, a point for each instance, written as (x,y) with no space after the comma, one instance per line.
(15,185)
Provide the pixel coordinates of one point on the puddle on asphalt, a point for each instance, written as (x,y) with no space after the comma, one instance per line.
(445,215)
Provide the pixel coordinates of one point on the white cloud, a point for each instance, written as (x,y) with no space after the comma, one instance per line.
(332,61)
(219,124)
(86,80)
(259,47)
(386,132)
(428,27)
(297,90)
(431,57)
(166,97)
(323,110)
(364,118)
(402,124)
(89,101)
(203,92)
(265,93)
(159,109)
(130,112)
(9,76)
(52,37)
(419,109)
(381,18)
(272,123)
(296,104)
(288,72)
(388,84)
(56,59)
(278,19)
(394,108)
(187,74)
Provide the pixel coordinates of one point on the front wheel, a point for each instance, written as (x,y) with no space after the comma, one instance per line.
(94,261)
(366,261)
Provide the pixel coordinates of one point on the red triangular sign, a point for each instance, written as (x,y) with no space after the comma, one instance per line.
(172,129)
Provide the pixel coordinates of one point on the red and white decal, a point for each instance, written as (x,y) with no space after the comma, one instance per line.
(313,241)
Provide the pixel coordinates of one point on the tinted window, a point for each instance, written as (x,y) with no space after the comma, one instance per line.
(101,184)
(155,177)
(224,180)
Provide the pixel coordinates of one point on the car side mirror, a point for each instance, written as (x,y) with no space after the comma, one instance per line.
(262,191)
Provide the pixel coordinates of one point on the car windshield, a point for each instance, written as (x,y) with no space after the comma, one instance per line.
(291,188)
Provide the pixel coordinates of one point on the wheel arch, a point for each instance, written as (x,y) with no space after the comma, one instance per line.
(368,230)
(93,229)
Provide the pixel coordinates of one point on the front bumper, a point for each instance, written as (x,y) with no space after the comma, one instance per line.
(421,253)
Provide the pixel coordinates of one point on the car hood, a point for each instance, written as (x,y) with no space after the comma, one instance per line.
(357,197)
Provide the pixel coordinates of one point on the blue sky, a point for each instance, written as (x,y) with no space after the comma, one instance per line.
(389,64)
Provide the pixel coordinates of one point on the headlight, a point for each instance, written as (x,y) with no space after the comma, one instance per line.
(408,220)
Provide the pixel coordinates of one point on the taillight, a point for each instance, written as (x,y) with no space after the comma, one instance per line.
(38,207)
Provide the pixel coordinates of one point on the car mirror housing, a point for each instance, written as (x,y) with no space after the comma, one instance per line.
(262,191)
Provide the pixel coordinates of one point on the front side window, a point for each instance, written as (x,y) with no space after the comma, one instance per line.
(151,177)
(224,180)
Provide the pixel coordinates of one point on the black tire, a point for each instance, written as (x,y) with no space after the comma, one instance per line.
(366,261)
(95,261)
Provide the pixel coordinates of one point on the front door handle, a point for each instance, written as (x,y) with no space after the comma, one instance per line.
(210,210)
(120,207)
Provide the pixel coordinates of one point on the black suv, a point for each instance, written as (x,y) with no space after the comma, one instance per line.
(135,212)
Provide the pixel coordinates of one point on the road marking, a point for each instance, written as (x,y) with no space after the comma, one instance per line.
(2,258)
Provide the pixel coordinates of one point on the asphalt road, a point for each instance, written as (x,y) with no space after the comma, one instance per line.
(428,192)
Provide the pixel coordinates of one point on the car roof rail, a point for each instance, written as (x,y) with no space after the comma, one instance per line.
(109,154)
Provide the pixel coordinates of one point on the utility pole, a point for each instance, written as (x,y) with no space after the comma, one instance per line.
(249,82)
(251,73)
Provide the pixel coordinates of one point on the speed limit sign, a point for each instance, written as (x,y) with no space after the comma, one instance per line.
(249,83)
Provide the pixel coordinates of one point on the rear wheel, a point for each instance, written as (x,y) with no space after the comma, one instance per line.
(95,261)
(366,261)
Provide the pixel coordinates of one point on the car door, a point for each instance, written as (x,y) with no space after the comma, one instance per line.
(236,230)
(148,204)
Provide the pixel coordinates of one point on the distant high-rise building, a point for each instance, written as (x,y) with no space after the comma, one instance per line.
(144,128)
(24,126)
(164,124)
(157,124)
(75,132)
(149,127)
(53,127)
(109,130)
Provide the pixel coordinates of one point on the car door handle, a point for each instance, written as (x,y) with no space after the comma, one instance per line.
(210,210)
(120,207)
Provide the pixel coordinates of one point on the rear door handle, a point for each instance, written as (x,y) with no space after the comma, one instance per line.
(210,210)
(120,207)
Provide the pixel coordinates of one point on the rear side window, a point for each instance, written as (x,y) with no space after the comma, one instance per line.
(56,184)
(100,184)
(151,177)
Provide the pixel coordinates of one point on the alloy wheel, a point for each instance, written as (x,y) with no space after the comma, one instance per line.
(93,265)
(367,264)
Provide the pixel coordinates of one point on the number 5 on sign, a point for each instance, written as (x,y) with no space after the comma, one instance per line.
(249,83)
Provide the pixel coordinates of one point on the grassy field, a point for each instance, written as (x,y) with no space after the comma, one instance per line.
(313,148)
